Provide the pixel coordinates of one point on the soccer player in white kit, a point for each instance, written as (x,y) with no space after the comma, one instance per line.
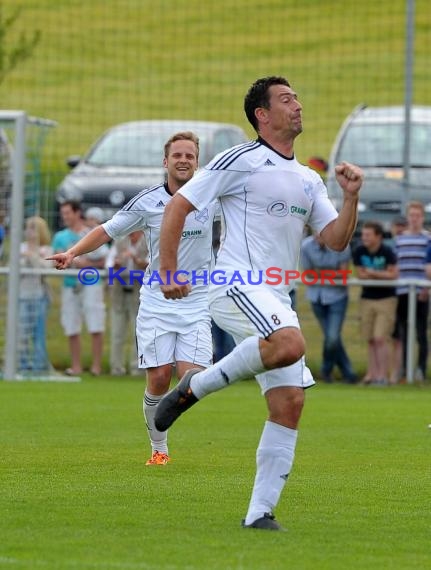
(266,198)
(168,332)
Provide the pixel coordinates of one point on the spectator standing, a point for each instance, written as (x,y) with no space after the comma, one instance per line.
(130,253)
(95,293)
(78,301)
(329,304)
(374,260)
(398,226)
(411,249)
(34,297)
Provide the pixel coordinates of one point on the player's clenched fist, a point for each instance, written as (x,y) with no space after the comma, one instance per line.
(349,177)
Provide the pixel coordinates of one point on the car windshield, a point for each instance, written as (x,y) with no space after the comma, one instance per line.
(382,145)
(132,148)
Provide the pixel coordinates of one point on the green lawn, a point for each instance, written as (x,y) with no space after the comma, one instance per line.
(75,492)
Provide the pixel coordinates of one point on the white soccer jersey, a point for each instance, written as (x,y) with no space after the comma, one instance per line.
(266,199)
(145,212)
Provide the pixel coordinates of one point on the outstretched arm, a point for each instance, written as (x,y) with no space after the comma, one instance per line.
(170,235)
(89,242)
(339,232)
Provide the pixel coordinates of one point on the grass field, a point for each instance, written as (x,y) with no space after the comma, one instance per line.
(75,492)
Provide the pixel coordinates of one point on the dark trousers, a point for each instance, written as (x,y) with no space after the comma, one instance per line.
(223,342)
(422,309)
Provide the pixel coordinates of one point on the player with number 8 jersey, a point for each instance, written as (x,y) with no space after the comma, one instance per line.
(266,199)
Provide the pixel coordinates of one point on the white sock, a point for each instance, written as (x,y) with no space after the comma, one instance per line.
(243,362)
(158,439)
(274,459)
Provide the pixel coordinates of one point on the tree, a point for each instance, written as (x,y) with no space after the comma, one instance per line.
(10,56)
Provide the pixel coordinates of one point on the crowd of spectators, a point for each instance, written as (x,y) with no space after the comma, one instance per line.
(383,310)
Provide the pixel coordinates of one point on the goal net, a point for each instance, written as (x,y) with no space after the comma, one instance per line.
(24,245)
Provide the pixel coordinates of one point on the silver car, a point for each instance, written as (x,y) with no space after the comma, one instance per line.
(373,138)
(129,157)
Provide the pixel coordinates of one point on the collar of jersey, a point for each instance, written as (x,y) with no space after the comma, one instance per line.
(166,187)
(263,141)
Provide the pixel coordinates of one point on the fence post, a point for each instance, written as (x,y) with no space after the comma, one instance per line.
(411,333)
(17,211)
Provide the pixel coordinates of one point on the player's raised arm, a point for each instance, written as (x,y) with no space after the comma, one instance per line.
(339,232)
(88,243)
(170,235)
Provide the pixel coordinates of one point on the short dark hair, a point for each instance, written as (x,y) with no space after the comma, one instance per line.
(374,225)
(258,96)
(74,204)
(182,136)
(400,221)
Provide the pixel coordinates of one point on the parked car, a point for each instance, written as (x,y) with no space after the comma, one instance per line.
(373,138)
(129,157)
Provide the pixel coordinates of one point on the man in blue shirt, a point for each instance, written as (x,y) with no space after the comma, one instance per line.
(329,304)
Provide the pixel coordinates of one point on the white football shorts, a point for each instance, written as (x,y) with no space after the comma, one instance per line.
(160,343)
(252,310)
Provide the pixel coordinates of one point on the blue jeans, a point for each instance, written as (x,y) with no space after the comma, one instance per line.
(32,334)
(331,318)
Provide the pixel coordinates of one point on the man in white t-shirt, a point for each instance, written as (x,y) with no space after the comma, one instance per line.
(167,332)
(266,197)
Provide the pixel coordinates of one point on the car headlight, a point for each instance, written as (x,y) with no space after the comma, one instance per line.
(68,191)
(427,208)
(117,198)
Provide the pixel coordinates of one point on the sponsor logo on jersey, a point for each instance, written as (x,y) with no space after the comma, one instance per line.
(268,163)
(298,210)
(278,208)
(160,204)
(187,234)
